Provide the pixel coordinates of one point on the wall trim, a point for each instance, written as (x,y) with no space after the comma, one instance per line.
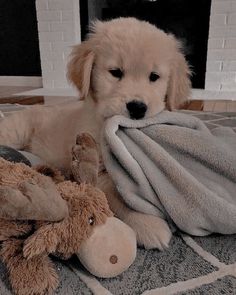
(20,81)
(77,25)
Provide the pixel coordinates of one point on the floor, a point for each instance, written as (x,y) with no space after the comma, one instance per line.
(211,105)
(10,90)
(10,101)
(220,106)
(8,97)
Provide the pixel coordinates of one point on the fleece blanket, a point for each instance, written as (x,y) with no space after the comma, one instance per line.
(172,166)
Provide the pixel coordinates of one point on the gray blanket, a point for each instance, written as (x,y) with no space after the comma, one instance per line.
(172,166)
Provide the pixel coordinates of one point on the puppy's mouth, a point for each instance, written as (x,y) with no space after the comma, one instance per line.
(136,109)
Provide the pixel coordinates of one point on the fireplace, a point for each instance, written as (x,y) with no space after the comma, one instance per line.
(19,50)
(187,20)
(206,28)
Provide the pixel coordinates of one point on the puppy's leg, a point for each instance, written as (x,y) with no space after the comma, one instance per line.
(16,129)
(152,231)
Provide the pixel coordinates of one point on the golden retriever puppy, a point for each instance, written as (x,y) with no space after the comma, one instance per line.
(127,67)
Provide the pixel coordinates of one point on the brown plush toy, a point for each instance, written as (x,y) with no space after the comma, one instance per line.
(42,215)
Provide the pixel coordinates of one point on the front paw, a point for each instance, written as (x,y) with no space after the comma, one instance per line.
(152,231)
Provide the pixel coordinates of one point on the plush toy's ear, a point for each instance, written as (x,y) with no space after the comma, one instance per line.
(80,67)
(179,82)
(44,240)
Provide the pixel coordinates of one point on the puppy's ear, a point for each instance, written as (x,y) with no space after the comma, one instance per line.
(80,67)
(179,82)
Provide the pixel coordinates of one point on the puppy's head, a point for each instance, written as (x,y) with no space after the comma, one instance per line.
(130,67)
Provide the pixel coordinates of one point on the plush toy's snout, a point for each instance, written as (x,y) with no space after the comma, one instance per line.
(110,250)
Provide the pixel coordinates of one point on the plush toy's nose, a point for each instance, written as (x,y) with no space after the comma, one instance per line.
(113,259)
(117,245)
(137,109)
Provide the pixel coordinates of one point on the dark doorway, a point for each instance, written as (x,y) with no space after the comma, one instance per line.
(19,49)
(187,20)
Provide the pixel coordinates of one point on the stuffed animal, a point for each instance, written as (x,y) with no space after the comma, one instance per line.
(43,215)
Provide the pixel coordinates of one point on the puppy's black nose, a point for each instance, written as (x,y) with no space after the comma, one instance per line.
(137,109)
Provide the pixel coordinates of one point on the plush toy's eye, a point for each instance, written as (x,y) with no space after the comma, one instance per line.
(117,73)
(153,77)
(91,220)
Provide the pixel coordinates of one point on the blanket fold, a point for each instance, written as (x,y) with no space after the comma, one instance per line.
(174,167)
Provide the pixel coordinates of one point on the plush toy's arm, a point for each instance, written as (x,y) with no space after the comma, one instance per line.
(28,276)
(85,159)
(44,240)
(31,201)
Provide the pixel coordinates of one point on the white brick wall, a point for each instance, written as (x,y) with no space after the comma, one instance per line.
(221,56)
(59,29)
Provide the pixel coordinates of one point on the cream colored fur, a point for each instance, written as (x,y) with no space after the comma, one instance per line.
(136,47)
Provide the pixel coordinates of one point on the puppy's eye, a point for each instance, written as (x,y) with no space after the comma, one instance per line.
(153,77)
(117,73)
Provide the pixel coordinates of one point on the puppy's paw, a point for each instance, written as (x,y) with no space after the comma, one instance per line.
(152,231)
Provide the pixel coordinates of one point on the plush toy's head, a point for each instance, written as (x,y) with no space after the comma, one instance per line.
(87,207)
(90,226)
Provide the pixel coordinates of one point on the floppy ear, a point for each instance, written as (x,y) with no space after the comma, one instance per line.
(80,67)
(179,83)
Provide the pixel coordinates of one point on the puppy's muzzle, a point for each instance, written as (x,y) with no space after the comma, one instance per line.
(137,109)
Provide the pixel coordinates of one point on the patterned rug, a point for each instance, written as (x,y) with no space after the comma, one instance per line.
(191,265)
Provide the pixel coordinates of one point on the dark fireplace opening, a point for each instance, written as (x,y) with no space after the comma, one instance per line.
(187,20)
(19,49)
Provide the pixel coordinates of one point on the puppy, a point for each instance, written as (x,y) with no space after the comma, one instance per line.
(127,67)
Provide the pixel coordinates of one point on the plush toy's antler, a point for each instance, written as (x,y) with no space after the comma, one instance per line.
(85,159)
(25,194)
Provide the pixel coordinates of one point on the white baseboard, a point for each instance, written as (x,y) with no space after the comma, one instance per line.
(51,92)
(204,94)
(20,81)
